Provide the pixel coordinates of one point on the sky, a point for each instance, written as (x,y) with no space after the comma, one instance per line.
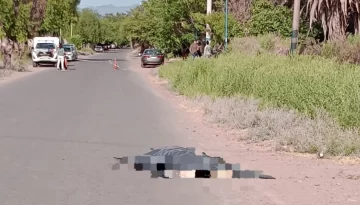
(88,3)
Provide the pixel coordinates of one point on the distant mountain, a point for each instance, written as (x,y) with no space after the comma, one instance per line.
(110,9)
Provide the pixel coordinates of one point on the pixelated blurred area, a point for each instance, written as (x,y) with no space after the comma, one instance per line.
(204,174)
(181,162)
(219,171)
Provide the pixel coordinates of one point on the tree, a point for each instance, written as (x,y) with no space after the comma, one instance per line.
(217,24)
(37,15)
(23,19)
(269,18)
(335,16)
(14,23)
(240,9)
(89,27)
(170,24)
(92,28)
(59,15)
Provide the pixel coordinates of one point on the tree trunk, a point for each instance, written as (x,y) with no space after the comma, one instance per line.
(37,15)
(336,26)
(30,44)
(240,9)
(15,57)
(356,23)
(6,49)
(131,43)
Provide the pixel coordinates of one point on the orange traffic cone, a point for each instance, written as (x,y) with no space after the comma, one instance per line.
(115,65)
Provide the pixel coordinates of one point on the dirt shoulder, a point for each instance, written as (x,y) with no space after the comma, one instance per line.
(301,179)
(7,76)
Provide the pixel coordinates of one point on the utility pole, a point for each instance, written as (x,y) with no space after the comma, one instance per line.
(295,26)
(208,12)
(71,29)
(208,6)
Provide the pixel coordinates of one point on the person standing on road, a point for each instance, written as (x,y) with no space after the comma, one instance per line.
(61,58)
(207,50)
(194,49)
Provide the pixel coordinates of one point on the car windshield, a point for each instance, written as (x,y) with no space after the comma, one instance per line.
(45,46)
(67,49)
(98,47)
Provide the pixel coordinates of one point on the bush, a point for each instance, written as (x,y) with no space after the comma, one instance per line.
(347,51)
(269,18)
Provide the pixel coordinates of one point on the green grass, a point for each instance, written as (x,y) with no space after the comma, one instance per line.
(303,83)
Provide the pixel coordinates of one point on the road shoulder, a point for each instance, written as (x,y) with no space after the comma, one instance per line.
(326,181)
(9,76)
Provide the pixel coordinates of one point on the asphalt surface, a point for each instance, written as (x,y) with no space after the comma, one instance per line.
(59,132)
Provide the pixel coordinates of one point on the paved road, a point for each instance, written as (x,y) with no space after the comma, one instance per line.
(60,130)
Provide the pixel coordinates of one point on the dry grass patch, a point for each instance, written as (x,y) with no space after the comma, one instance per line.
(289,130)
(20,65)
(5,73)
(267,43)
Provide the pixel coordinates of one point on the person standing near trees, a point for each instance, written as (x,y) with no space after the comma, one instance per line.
(207,50)
(61,58)
(194,49)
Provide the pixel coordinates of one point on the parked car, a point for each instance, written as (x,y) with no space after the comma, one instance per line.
(70,54)
(44,50)
(74,50)
(99,49)
(152,57)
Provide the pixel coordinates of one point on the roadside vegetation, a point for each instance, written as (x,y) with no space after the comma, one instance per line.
(307,102)
(303,103)
(21,21)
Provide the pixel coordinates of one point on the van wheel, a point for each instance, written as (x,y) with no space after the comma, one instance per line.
(35,64)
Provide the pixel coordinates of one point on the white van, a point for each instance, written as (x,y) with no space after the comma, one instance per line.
(44,50)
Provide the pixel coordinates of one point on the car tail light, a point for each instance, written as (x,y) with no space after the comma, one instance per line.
(160,56)
(146,56)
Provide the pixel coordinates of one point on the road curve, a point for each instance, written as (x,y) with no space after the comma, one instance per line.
(60,130)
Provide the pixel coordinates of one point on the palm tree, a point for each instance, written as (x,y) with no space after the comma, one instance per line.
(334,16)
